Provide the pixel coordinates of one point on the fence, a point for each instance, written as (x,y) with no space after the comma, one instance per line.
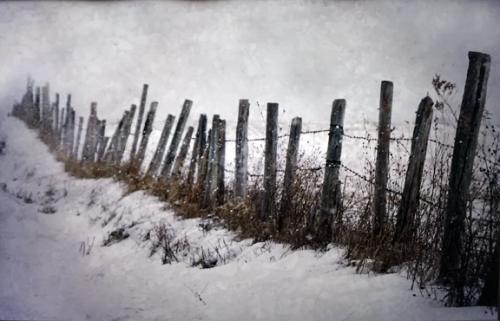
(206,168)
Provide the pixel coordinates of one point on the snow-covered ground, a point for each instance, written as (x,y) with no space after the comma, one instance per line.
(46,216)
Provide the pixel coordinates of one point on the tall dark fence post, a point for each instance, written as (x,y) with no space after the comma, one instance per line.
(382,163)
(241,163)
(74,152)
(124,134)
(408,206)
(201,180)
(71,129)
(142,106)
(45,109)
(101,130)
(36,111)
(181,157)
(462,161)
(328,216)
(111,153)
(198,147)
(148,128)
(56,119)
(155,163)
(62,128)
(270,155)
(176,139)
(292,154)
(221,158)
(211,178)
(90,135)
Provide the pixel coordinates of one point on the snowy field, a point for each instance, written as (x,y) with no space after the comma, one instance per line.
(46,216)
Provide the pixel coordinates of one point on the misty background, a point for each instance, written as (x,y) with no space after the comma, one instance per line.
(301,54)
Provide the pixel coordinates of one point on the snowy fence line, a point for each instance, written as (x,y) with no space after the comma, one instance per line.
(207,163)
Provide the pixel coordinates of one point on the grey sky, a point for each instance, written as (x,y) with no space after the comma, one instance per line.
(302,54)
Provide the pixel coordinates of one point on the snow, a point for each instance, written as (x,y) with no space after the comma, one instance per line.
(45,276)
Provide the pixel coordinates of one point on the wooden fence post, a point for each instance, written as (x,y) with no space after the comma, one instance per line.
(148,128)
(408,206)
(221,158)
(201,180)
(45,109)
(74,153)
(71,130)
(56,119)
(62,128)
(241,163)
(270,155)
(102,148)
(155,163)
(198,147)
(464,150)
(111,153)
(101,130)
(142,106)
(210,179)
(382,163)
(292,154)
(90,135)
(124,134)
(179,161)
(176,139)
(329,217)
(36,111)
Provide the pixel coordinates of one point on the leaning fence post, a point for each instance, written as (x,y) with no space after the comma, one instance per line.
(101,130)
(270,155)
(74,153)
(210,179)
(155,163)
(148,128)
(411,192)
(90,135)
(241,163)
(292,154)
(462,161)
(142,106)
(382,162)
(328,216)
(176,139)
(181,157)
(124,134)
(221,158)
(197,147)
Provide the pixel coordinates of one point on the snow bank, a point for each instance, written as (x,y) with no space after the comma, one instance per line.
(45,273)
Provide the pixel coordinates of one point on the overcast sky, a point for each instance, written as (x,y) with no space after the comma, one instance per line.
(301,54)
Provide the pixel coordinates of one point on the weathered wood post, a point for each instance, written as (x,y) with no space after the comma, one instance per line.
(74,153)
(241,162)
(90,135)
(176,139)
(328,216)
(181,157)
(201,180)
(102,148)
(199,144)
(405,225)
(155,163)
(36,111)
(202,164)
(45,109)
(382,162)
(146,132)
(270,155)
(56,118)
(124,134)
(111,150)
(142,106)
(211,176)
(292,154)
(221,159)
(462,161)
(101,130)
(71,130)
